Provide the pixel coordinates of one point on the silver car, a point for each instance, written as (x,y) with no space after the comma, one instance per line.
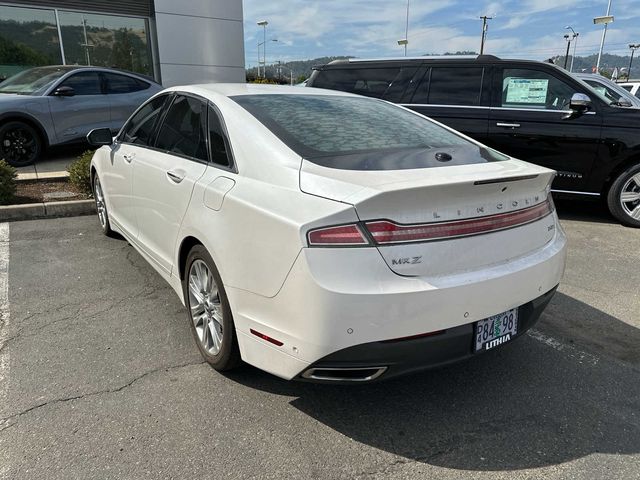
(612,91)
(56,105)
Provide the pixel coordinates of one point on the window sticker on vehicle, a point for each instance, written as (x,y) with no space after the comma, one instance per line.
(526,90)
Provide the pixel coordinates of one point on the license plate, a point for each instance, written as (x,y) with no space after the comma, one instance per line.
(496,330)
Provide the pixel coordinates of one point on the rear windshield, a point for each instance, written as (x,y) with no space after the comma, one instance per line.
(345,132)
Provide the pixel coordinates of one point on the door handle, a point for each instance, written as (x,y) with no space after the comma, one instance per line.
(128,157)
(508,125)
(176,176)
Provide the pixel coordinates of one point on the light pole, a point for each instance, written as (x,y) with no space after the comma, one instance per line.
(566,55)
(280,67)
(633,47)
(406,31)
(264,68)
(575,42)
(607,19)
(263,24)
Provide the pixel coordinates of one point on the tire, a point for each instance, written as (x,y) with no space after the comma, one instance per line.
(20,144)
(623,198)
(101,207)
(208,311)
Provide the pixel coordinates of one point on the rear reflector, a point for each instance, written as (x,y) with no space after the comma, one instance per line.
(415,337)
(266,337)
(386,232)
(342,235)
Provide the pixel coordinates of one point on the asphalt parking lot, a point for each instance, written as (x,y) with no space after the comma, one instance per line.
(100,378)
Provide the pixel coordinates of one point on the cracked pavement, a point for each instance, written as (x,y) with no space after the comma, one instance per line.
(103,380)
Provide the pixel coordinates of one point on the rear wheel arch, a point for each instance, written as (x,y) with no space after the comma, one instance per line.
(185,247)
(32,122)
(617,171)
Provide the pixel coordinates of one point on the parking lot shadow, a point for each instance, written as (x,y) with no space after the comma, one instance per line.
(533,403)
(583,210)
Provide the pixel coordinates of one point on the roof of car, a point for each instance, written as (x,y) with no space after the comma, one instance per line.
(466,59)
(237,89)
(70,68)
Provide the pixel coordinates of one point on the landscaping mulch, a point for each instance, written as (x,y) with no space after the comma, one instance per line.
(38,191)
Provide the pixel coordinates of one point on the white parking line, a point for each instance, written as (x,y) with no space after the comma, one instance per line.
(4,312)
(569,349)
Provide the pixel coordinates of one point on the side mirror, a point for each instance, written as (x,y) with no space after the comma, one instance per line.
(100,136)
(580,103)
(624,102)
(64,92)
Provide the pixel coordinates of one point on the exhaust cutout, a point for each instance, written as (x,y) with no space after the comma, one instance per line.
(360,374)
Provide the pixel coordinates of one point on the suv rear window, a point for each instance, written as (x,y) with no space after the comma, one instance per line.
(450,86)
(343,132)
(388,83)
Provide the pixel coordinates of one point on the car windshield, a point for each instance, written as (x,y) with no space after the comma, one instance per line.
(33,80)
(343,131)
(607,93)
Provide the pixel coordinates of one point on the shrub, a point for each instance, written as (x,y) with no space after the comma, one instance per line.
(80,173)
(8,185)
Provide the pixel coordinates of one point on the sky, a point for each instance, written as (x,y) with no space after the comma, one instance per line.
(531,29)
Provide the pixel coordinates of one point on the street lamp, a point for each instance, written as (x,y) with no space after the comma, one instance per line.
(263,24)
(606,20)
(265,60)
(404,42)
(633,47)
(566,55)
(575,43)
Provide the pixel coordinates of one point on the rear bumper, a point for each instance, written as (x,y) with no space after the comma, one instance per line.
(336,303)
(388,359)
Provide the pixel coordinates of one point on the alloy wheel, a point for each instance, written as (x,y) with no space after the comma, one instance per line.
(205,308)
(630,197)
(19,145)
(100,205)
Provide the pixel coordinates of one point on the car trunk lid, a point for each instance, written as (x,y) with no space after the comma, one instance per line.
(442,220)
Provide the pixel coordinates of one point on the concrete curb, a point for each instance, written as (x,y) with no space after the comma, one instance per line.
(31,211)
(32,177)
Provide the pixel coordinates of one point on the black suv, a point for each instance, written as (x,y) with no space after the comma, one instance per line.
(530,110)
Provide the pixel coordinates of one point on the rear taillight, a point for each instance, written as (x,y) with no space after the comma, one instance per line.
(386,232)
(342,235)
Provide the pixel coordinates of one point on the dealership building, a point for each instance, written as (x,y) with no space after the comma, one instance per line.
(175,42)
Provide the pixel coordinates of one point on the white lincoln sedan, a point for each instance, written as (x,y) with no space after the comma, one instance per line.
(329,237)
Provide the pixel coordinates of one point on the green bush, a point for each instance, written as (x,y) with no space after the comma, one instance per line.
(8,185)
(80,173)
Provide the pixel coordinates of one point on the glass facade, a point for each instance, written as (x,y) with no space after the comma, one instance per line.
(31,37)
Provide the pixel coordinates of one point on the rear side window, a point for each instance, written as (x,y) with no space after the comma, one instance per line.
(450,86)
(123,84)
(356,133)
(220,154)
(183,131)
(386,83)
(139,129)
(84,83)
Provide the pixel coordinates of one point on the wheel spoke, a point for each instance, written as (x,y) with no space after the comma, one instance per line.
(636,179)
(206,334)
(195,290)
(635,213)
(215,338)
(630,197)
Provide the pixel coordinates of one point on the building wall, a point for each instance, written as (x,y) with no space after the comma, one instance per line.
(199,41)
